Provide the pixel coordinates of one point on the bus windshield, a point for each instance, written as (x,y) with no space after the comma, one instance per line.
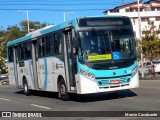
(100,45)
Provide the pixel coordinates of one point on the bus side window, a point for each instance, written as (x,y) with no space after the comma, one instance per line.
(10,54)
(21,52)
(41,47)
(49,45)
(27,50)
(57,44)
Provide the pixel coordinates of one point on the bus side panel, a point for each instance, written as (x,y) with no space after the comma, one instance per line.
(49,70)
(58,69)
(27,72)
(41,72)
(12,80)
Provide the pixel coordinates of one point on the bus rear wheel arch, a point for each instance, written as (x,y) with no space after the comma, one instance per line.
(62,90)
(25,87)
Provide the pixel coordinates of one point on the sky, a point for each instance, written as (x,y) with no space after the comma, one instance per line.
(52,11)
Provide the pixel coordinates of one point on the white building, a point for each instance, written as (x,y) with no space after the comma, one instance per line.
(149,11)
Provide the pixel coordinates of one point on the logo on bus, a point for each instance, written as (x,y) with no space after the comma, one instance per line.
(116,55)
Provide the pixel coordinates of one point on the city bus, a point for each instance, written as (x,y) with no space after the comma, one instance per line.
(82,56)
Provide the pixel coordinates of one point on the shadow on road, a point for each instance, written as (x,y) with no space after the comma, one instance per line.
(86,97)
(103,96)
(40,93)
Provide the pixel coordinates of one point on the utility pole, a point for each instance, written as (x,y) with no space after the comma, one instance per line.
(64,15)
(27,17)
(122,2)
(140,36)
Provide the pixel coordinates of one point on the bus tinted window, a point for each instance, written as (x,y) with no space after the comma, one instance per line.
(45,46)
(41,47)
(48,45)
(21,52)
(10,54)
(24,51)
(57,44)
(27,50)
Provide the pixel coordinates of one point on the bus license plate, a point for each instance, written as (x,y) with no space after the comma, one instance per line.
(115,81)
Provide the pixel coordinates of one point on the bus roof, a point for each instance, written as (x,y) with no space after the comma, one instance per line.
(52,28)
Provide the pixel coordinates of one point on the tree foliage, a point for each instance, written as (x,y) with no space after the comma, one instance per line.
(150,42)
(33,25)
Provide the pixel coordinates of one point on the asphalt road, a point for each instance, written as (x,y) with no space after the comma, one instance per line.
(144,98)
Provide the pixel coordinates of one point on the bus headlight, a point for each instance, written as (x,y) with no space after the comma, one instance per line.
(134,71)
(87,74)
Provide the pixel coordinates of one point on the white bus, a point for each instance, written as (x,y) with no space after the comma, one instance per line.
(82,56)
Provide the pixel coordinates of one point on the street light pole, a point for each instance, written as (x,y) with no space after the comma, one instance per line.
(27,17)
(64,15)
(27,20)
(140,36)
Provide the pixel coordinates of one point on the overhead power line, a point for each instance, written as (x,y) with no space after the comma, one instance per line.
(65,4)
(51,9)
(57,1)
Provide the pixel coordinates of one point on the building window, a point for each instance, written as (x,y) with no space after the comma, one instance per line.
(145,32)
(134,33)
(158,31)
(127,10)
(158,9)
(157,18)
(144,19)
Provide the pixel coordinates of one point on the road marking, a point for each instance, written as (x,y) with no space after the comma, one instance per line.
(4,99)
(41,106)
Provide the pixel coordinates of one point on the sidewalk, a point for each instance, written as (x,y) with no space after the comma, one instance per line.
(150,77)
(4,81)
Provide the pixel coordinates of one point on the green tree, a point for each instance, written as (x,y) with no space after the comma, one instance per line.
(33,25)
(11,33)
(14,32)
(151,42)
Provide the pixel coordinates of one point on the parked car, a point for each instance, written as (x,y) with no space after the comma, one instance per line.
(156,65)
(147,68)
(3,76)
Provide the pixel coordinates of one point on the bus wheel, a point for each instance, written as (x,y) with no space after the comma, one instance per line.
(25,88)
(62,90)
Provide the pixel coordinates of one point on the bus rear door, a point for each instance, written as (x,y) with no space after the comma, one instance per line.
(15,62)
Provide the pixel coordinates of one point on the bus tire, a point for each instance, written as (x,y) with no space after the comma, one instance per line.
(25,87)
(62,90)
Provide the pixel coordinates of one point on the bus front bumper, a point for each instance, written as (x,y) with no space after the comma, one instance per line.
(86,86)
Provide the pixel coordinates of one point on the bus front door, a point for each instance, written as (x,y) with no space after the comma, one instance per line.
(15,60)
(69,59)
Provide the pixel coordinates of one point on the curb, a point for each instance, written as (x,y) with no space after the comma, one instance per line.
(150,79)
